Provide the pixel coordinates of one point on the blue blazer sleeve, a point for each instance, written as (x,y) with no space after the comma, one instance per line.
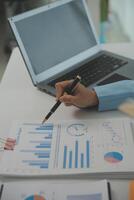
(112,95)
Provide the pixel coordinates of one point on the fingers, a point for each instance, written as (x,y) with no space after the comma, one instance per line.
(9,144)
(60,88)
(68,104)
(68,99)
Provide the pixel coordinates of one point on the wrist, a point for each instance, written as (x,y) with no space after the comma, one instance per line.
(93,98)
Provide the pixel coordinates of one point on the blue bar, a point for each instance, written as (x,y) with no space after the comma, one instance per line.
(76,154)
(45,128)
(49,137)
(45,143)
(70,159)
(31,151)
(47,125)
(36,152)
(87,153)
(43,146)
(82,160)
(43,167)
(36,161)
(65,157)
(41,142)
(37,132)
(38,124)
(43,156)
(42,153)
(38,164)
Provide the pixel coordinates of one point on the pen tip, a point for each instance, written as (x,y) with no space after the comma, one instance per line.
(44,120)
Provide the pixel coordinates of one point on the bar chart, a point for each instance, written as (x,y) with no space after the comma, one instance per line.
(39,146)
(76,157)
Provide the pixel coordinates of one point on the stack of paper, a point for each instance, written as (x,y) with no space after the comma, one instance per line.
(42,190)
(99,148)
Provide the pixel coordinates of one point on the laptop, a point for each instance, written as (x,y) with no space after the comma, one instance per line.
(58,42)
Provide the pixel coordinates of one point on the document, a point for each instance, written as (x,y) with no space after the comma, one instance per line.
(42,190)
(95,147)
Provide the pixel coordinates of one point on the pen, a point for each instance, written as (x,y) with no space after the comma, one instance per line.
(69,90)
(1,190)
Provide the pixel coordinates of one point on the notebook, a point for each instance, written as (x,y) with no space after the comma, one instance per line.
(58,41)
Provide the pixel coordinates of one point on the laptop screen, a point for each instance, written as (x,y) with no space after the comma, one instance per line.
(54,36)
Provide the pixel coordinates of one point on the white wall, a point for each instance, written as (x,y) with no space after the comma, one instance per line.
(94,7)
(125,12)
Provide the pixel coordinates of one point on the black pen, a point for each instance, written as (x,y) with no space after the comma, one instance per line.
(69,90)
(1,190)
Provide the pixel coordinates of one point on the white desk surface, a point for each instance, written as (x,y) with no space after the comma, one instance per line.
(20,100)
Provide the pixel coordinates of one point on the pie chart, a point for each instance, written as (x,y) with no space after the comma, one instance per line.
(113,157)
(35,197)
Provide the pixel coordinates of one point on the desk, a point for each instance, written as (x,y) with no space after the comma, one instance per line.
(21,100)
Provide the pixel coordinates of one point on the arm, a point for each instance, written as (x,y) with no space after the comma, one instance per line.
(107,97)
(112,95)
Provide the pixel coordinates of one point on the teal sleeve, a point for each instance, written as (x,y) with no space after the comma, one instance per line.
(112,95)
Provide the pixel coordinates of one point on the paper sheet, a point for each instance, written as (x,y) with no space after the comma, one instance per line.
(56,191)
(71,147)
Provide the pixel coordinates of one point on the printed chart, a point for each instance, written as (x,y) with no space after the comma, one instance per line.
(85,197)
(77,129)
(55,190)
(70,147)
(81,159)
(38,149)
(35,197)
(113,133)
(113,157)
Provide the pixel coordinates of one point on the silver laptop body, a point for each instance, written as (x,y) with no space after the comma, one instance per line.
(58,39)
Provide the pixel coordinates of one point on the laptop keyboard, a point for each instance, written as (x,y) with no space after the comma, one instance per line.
(94,70)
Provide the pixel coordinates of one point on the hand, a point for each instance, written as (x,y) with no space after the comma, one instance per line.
(82,97)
